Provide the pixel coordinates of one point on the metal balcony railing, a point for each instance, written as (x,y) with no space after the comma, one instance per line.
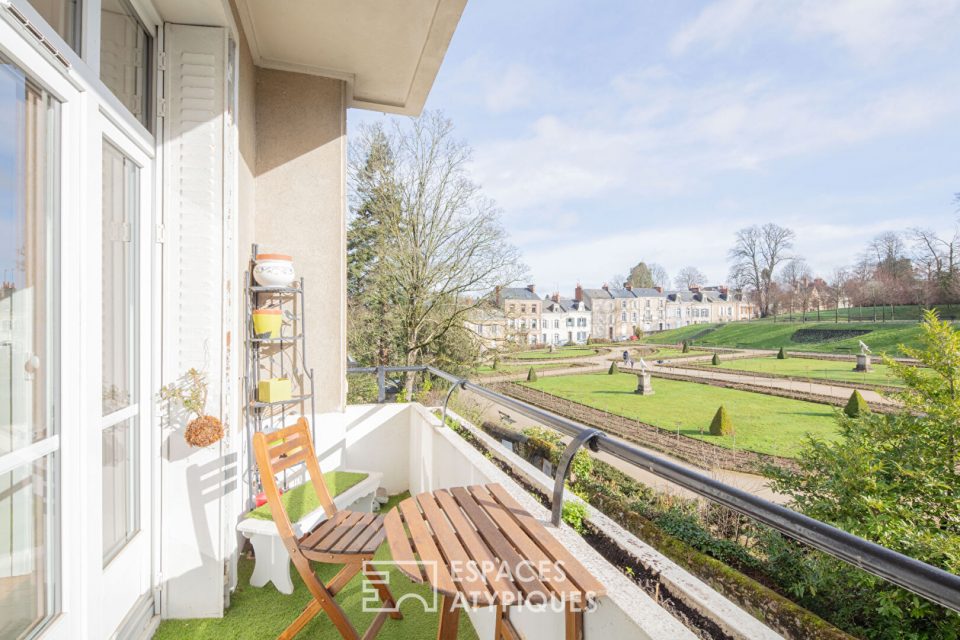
(930,582)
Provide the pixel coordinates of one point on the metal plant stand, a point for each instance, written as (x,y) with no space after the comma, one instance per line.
(283,356)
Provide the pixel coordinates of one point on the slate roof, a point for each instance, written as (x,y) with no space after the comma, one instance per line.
(518,293)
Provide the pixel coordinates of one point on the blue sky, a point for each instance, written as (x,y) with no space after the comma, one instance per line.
(614,132)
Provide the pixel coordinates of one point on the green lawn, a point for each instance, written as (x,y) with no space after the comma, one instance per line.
(816,369)
(766,334)
(544,354)
(504,369)
(255,614)
(767,424)
(666,353)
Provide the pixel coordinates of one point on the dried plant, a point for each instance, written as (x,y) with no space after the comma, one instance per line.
(191,392)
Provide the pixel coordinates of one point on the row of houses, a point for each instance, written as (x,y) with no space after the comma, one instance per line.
(520,315)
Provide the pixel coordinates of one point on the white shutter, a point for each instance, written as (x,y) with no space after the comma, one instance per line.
(193,336)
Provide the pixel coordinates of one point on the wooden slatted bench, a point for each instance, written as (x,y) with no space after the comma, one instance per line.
(476,546)
(272,559)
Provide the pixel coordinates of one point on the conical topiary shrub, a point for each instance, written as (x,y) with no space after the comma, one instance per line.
(686,347)
(532,375)
(721,425)
(613,368)
(716,359)
(856,405)
(781,355)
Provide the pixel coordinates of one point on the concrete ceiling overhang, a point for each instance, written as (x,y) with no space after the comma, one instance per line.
(387,51)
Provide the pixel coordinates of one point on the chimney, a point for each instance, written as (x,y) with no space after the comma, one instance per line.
(628,286)
(724,290)
(555,297)
(578,293)
(695,288)
(605,287)
(496,293)
(659,289)
(532,288)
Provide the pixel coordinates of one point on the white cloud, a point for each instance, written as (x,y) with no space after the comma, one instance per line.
(658,136)
(825,245)
(871,30)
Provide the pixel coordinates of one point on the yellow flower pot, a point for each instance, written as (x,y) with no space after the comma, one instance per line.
(273,390)
(267,322)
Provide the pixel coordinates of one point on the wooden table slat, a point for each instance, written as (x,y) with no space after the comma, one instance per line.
(573,568)
(400,550)
(506,592)
(434,563)
(534,590)
(468,578)
(538,560)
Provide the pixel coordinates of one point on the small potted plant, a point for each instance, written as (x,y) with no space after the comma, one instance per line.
(191,392)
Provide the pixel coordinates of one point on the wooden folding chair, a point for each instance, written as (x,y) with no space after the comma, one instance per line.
(349,538)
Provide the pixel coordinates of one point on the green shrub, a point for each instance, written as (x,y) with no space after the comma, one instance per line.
(573,514)
(781,355)
(856,405)
(613,368)
(721,424)
(686,347)
(532,375)
(716,359)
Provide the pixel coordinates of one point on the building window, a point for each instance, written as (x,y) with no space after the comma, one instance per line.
(623,316)
(125,55)
(120,404)
(634,316)
(63,16)
(29,353)
(533,324)
(533,308)
(513,307)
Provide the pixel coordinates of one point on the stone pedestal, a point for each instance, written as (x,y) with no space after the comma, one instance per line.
(863,363)
(644,385)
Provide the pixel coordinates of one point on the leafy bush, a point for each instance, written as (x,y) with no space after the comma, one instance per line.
(532,375)
(613,368)
(716,359)
(721,425)
(893,479)
(686,347)
(856,406)
(781,355)
(573,514)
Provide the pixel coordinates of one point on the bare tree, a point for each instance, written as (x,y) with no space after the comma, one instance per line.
(689,277)
(937,260)
(837,290)
(795,283)
(659,275)
(755,256)
(442,238)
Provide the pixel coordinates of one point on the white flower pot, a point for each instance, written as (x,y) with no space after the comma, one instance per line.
(274,270)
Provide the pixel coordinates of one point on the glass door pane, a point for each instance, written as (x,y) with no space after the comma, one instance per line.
(120,358)
(29,317)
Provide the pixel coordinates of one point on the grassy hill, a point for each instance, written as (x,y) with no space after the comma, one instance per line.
(819,337)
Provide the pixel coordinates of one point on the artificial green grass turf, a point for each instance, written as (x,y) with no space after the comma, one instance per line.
(303,499)
(840,370)
(766,334)
(767,424)
(256,614)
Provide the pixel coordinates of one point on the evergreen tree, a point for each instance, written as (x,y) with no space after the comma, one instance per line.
(532,375)
(856,406)
(716,359)
(721,425)
(781,355)
(613,368)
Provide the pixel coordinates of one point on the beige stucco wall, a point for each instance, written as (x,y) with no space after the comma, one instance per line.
(300,186)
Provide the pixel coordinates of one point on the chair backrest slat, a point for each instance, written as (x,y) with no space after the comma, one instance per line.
(282,449)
